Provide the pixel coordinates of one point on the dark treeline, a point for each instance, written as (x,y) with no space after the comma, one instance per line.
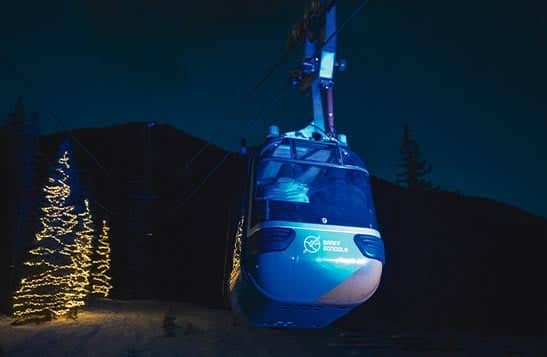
(4,213)
(452,260)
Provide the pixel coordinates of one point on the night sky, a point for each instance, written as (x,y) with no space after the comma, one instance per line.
(467,76)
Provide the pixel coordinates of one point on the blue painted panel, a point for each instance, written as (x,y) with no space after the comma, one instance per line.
(319,259)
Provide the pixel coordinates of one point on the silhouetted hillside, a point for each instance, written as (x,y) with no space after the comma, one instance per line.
(452,260)
(458,261)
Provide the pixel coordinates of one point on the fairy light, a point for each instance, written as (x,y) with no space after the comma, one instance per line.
(81,255)
(54,274)
(236,254)
(100,276)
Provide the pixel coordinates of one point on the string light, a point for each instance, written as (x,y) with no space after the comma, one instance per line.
(81,254)
(236,254)
(100,283)
(56,275)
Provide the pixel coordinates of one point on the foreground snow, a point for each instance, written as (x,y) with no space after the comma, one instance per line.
(134,328)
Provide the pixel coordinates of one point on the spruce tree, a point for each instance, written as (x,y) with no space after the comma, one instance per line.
(47,290)
(100,273)
(81,253)
(414,169)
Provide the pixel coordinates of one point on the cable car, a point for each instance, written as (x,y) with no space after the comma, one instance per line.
(305,247)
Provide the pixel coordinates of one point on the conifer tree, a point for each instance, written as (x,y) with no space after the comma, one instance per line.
(81,253)
(414,169)
(100,275)
(47,290)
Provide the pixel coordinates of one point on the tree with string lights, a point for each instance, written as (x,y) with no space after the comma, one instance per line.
(81,255)
(47,289)
(100,273)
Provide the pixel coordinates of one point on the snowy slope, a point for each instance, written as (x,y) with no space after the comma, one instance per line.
(134,328)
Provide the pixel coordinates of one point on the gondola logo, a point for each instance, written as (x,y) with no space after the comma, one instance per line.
(312,244)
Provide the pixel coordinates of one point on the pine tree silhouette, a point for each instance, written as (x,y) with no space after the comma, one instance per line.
(414,169)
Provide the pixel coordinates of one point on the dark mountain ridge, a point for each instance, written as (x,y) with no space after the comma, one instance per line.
(452,260)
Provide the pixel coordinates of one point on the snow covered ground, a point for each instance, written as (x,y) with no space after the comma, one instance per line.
(134,328)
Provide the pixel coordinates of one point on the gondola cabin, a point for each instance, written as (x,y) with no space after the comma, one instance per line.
(306,248)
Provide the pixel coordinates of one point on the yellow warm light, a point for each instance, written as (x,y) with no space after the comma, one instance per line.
(236,254)
(57,278)
(81,254)
(100,278)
